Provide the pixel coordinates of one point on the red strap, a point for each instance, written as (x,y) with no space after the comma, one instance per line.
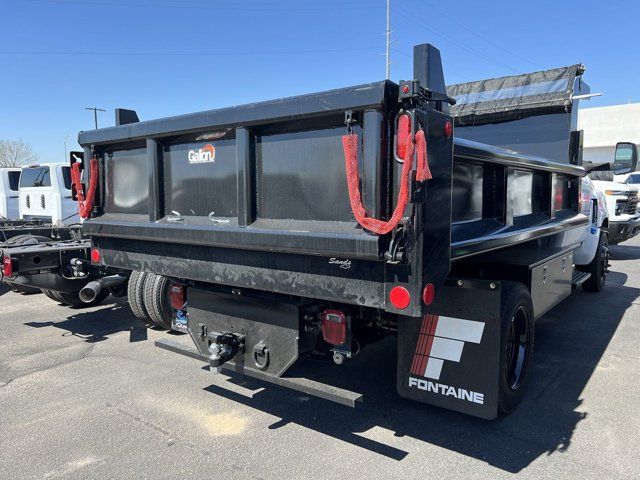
(423,171)
(85,205)
(380,227)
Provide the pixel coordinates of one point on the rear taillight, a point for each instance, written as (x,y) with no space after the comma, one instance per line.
(7,266)
(403,132)
(448,129)
(177,296)
(95,255)
(334,327)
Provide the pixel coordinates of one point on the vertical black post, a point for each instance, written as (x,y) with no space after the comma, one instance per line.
(494,190)
(245,172)
(372,165)
(153,163)
(427,69)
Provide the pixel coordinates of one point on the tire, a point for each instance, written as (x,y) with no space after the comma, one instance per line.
(58,297)
(49,294)
(73,299)
(157,301)
(516,344)
(27,239)
(598,266)
(135,295)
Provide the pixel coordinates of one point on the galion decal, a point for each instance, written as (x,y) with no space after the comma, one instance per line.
(206,154)
(440,339)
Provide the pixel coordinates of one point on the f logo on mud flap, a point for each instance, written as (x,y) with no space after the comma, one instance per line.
(440,339)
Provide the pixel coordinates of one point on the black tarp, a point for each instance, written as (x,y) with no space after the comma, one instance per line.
(515,97)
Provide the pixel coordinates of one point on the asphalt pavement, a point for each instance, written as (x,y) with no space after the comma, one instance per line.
(84,394)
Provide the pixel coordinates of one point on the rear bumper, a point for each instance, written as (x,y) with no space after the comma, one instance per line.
(622,231)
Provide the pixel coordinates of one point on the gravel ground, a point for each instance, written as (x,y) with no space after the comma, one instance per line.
(84,394)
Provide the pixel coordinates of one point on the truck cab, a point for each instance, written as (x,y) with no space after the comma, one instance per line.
(45,193)
(621,198)
(9,181)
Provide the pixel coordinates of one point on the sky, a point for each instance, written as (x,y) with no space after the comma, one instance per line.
(170,57)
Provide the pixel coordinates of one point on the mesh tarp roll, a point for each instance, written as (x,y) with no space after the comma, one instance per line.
(510,98)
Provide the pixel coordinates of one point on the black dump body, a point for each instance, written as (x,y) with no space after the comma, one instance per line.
(256,196)
(258,215)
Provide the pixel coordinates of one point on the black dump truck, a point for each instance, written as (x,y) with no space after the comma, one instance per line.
(325,222)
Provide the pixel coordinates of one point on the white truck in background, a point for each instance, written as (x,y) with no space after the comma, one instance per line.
(45,194)
(621,198)
(593,254)
(9,182)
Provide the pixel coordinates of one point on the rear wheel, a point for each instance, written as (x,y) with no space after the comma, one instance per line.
(73,299)
(516,344)
(156,300)
(135,294)
(58,297)
(49,294)
(598,266)
(27,239)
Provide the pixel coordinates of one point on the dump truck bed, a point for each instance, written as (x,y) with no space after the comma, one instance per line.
(256,196)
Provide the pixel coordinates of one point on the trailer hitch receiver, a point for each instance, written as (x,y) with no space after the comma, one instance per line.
(223,347)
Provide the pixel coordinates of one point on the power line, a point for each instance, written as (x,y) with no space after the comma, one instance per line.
(326,6)
(454,41)
(180,54)
(483,37)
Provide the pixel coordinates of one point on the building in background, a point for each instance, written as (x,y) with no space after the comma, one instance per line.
(605,126)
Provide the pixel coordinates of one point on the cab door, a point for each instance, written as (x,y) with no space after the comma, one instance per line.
(35,193)
(12,188)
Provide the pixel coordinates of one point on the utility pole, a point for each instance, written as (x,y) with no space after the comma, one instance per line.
(388,39)
(95,114)
(65,146)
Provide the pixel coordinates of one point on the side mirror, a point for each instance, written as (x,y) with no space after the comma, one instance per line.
(626,158)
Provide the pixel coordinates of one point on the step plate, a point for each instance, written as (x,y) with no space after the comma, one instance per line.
(579,278)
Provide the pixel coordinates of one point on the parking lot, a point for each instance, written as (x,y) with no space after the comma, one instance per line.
(85,394)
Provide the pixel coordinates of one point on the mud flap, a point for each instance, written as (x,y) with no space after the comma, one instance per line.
(451,356)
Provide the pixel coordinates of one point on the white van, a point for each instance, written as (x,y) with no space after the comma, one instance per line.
(9,181)
(45,194)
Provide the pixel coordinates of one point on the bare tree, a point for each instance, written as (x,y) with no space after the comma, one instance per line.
(14,153)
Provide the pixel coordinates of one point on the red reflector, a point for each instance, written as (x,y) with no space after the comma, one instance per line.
(400,297)
(428,294)
(448,129)
(7,267)
(334,327)
(176,294)
(95,255)
(403,130)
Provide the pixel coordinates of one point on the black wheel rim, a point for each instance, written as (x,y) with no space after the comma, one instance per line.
(517,348)
(604,262)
